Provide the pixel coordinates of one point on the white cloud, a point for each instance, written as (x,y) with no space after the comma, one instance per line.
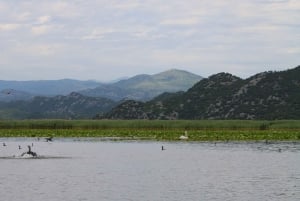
(9,27)
(35,49)
(181,21)
(2,6)
(126,5)
(25,16)
(43,19)
(141,35)
(99,33)
(39,30)
(293,50)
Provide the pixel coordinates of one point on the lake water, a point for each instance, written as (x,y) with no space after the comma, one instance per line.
(95,170)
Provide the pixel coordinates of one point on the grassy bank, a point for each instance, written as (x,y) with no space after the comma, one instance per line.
(198,130)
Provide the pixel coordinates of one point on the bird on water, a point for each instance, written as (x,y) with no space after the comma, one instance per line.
(29,152)
(184,137)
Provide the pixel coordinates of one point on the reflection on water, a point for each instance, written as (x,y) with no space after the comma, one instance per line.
(91,169)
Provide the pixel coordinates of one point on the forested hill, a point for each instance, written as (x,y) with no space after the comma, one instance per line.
(267,95)
(86,104)
(72,106)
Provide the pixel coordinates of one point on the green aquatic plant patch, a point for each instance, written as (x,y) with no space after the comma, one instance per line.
(159,134)
(198,130)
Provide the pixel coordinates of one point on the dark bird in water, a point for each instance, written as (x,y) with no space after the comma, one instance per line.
(20,147)
(162,148)
(4,145)
(49,139)
(29,152)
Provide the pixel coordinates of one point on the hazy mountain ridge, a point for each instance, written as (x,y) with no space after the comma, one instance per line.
(268,95)
(172,80)
(8,95)
(145,87)
(139,87)
(90,102)
(48,87)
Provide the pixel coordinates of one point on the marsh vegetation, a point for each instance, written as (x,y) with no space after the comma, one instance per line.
(198,130)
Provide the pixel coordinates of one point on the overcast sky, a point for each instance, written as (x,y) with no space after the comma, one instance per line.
(108,39)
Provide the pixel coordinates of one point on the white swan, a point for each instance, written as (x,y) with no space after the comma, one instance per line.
(184,137)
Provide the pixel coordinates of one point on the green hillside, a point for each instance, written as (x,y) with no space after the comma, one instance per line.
(267,95)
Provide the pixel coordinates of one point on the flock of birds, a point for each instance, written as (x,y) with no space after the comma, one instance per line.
(29,152)
(49,139)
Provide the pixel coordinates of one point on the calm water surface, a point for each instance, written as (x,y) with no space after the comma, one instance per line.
(94,170)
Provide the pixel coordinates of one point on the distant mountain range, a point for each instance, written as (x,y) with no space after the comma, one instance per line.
(267,95)
(8,95)
(46,87)
(145,87)
(140,87)
(21,100)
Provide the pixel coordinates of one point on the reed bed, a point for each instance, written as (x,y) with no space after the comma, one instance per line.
(152,124)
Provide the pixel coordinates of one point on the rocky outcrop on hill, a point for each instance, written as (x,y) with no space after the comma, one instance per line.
(268,95)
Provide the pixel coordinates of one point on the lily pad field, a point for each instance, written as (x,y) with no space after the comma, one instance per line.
(162,130)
